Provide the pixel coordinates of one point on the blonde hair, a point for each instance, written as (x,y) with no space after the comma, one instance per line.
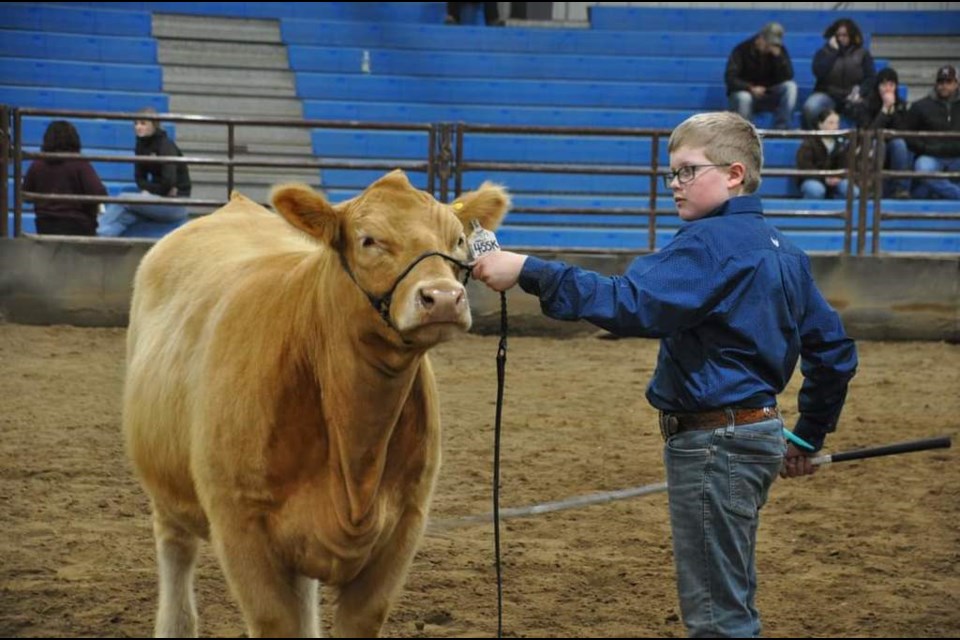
(725,138)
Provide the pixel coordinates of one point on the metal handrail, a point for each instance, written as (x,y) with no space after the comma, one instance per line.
(446,159)
(650,213)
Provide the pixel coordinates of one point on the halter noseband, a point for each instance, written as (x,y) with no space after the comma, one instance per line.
(382,302)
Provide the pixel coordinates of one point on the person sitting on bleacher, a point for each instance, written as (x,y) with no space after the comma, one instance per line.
(844,69)
(939,111)
(155,180)
(491,13)
(759,77)
(62,177)
(882,108)
(823,154)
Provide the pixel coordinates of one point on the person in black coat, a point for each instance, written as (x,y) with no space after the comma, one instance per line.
(844,69)
(156,180)
(759,77)
(491,13)
(882,108)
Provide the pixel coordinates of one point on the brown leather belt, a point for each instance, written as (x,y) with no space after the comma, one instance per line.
(673,423)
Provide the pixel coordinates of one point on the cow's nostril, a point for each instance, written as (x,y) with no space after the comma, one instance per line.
(427,298)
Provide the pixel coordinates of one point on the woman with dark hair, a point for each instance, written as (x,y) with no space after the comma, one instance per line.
(844,69)
(64,177)
(823,153)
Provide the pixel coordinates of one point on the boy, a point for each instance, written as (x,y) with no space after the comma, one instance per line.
(735,305)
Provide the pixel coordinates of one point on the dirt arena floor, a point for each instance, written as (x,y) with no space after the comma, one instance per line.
(862,549)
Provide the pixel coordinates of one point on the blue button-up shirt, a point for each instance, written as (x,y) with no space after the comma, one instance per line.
(734,304)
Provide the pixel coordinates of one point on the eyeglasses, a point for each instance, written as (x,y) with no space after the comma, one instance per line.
(687,173)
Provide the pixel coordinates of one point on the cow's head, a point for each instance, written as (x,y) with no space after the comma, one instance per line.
(382,236)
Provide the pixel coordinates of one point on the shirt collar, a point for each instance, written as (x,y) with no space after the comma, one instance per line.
(738,204)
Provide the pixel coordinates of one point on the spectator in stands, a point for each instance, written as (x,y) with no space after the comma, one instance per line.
(823,153)
(844,70)
(882,108)
(760,77)
(74,177)
(155,180)
(735,307)
(491,13)
(939,111)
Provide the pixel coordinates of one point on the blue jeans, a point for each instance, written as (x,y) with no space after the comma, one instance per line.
(780,98)
(117,217)
(944,188)
(816,189)
(899,158)
(717,482)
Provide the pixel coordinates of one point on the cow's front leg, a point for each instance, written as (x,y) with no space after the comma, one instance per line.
(276,602)
(363,604)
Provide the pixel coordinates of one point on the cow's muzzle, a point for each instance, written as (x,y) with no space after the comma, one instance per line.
(440,304)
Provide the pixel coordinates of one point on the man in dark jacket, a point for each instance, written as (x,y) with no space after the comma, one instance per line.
(759,77)
(939,111)
(156,181)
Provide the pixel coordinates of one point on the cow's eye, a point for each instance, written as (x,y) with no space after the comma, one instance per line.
(461,242)
(367,242)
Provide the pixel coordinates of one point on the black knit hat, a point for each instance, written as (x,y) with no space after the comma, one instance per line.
(887,75)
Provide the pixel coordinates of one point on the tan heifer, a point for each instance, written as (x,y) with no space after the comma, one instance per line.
(279,400)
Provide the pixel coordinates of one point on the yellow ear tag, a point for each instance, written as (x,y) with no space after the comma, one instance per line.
(458,205)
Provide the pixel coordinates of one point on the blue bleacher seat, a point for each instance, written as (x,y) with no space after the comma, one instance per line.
(65,46)
(68,19)
(651,19)
(384,12)
(80,75)
(526,40)
(80,99)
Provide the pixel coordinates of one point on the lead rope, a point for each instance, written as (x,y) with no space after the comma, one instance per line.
(501,377)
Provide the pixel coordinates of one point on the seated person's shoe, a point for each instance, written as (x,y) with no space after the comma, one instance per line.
(449,20)
(902,194)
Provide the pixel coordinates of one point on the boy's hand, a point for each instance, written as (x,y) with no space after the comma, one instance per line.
(499,270)
(888,95)
(796,463)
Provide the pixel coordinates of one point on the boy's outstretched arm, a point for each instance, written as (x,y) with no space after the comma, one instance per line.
(499,270)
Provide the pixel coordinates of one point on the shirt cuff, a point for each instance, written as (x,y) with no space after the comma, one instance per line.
(530,274)
(810,433)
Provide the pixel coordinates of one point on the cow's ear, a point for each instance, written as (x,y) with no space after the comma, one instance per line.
(487,205)
(307,210)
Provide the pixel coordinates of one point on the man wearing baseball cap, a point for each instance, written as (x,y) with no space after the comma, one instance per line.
(939,111)
(760,76)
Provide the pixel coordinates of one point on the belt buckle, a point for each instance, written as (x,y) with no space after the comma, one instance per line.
(669,425)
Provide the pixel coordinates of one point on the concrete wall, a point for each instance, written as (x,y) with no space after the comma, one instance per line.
(80,281)
(87,282)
